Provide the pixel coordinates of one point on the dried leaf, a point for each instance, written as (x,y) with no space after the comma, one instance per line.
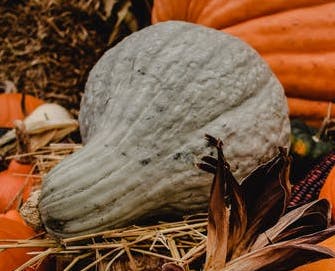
(239,215)
(267,192)
(41,140)
(218,220)
(226,215)
(311,217)
(284,255)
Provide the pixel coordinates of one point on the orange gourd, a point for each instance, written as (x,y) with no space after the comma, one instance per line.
(10,107)
(15,185)
(12,227)
(328,191)
(296,38)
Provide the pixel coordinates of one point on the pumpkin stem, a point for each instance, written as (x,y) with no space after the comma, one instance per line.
(23,142)
(23,103)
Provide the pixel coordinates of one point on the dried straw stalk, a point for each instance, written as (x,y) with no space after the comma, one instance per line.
(133,247)
(48,47)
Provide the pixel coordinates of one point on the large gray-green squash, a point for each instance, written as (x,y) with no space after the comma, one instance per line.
(147,105)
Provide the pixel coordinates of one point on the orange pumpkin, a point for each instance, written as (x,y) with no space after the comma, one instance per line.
(14,185)
(13,227)
(10,107)
(13,215)
(321,265)
(296,38)
(328,191)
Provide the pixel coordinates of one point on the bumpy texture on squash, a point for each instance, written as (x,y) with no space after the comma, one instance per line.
(147,105)
(296,38)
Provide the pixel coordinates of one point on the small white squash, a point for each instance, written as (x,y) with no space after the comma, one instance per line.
(147,105)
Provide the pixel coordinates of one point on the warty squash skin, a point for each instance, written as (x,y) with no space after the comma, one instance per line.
(296,38)
(148,103)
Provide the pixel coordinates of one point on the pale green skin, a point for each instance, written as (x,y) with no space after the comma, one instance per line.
(147,105)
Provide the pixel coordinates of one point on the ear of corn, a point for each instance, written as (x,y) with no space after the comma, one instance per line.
(308,188)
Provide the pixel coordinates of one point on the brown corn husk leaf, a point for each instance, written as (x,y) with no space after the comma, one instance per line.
(226,215)
(285,255)
(218,226)
(311,217)
(247,226)
(41,140)
(267,192)
(257,204)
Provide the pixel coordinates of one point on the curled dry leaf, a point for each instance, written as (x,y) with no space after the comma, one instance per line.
(309,218)
(226,214)
(284,255)
(247,225)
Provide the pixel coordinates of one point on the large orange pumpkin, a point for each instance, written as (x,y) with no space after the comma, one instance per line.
(296,38)
(10,107)
(13,227)
(15,185)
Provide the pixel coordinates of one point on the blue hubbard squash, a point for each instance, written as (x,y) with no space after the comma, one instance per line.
(148,103)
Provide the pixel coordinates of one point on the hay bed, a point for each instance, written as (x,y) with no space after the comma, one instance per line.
(47,47)
(130,248)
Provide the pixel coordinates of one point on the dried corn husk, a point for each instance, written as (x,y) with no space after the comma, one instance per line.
(248,228)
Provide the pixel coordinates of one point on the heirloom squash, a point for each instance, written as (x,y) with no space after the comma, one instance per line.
(148,103)
(296,38)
